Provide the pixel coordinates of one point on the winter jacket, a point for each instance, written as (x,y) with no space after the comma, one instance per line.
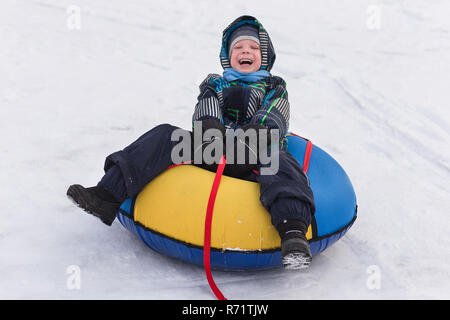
(236,103)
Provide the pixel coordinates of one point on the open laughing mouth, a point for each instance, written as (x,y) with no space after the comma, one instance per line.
(245,61)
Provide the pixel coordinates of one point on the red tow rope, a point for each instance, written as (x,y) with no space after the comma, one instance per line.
(308,151)
(208,223)
(209,216)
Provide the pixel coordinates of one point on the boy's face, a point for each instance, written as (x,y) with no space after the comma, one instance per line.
(246,56)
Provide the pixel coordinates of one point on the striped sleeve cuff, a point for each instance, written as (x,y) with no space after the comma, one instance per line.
(207,108)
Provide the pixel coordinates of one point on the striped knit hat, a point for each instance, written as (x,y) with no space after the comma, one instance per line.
(247,26)
(246,32)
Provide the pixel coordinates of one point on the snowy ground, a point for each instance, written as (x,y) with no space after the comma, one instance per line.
(368,82)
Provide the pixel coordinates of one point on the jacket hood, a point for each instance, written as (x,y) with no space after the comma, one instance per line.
(267,51)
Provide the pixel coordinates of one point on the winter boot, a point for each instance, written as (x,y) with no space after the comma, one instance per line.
(96,201)
(295,252)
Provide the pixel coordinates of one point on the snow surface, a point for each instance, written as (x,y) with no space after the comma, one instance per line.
(373,96)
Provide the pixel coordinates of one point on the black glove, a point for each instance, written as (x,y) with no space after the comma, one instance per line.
(246,150)
(235,98)
(202,144)
(261,130)
(212,123)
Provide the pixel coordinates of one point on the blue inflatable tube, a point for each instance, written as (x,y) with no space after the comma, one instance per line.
(336,211)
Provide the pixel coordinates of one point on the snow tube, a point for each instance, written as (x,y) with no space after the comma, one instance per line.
(168,215)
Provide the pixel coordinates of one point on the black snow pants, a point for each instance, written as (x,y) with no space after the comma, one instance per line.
(285,195)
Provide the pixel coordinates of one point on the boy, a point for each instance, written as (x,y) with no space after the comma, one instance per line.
(247,97)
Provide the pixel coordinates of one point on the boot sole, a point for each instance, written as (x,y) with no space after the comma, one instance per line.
(296,261)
